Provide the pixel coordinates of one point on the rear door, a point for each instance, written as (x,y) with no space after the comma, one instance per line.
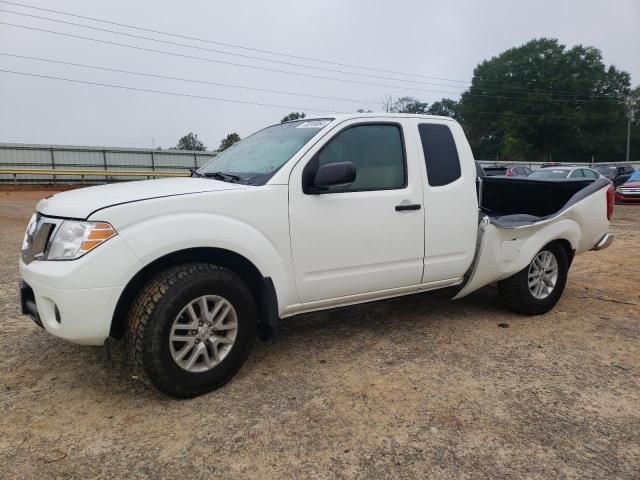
(367,236)
(450,202)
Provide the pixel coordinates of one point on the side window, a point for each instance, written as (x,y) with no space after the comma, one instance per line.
(376,151)
(590,174)
(440,154)
(577,173)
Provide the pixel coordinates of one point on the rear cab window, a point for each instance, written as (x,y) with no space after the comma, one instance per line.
(440,154)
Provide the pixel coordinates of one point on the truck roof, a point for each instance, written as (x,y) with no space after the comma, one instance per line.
(349,116)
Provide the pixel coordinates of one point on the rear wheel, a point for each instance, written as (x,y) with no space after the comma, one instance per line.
(191,329)
(536,289)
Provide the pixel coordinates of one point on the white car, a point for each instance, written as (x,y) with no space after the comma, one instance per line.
(568,172)
(301,216)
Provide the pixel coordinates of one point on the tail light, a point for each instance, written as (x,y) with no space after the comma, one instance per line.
(610,202)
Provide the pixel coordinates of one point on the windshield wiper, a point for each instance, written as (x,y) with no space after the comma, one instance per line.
(225,177)
(195,173)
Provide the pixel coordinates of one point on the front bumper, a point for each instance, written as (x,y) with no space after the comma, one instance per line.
(28,303)
(621,198)
(75,300)
(80,316)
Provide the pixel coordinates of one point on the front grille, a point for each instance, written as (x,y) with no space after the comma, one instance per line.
(37,238)
(630,191)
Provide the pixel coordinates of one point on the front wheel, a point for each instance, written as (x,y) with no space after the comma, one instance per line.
(191,329)
(536,289)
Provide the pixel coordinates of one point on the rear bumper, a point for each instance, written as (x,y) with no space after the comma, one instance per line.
(605,242)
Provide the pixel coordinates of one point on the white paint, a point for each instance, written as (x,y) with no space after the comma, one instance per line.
(321,251)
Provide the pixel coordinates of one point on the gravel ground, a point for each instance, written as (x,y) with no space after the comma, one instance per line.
(415,387)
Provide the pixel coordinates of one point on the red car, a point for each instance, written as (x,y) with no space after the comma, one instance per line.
(629,192)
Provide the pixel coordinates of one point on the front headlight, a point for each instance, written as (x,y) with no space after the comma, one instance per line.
(74,238)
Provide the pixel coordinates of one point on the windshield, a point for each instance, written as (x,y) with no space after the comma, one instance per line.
(545,173)
(635,177)
(256,158)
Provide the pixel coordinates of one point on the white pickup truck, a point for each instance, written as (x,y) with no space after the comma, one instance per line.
(301,216)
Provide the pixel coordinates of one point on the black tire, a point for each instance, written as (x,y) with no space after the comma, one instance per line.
(515,292)
(151,317)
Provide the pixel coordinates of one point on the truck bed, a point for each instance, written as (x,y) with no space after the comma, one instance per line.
(519,216)
(508,201)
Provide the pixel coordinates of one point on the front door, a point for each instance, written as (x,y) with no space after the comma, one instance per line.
(363,237)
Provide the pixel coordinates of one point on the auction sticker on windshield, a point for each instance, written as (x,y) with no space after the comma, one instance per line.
(314,124)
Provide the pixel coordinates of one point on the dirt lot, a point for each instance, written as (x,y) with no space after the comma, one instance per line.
(413,387)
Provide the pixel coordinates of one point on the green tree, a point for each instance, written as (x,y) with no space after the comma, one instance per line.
(409,105)
(445,107)
(293,116)
(228,141)
(190,142)
(542,101)
(633,110)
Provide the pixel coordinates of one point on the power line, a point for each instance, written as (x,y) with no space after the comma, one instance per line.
(205,82)
(251,57)
(190,80)
(246,102)
(521,90)
(224,62)
(165,92)
(256,67)
(231,45)
(534,115)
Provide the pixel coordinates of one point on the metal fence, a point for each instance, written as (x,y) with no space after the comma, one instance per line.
(65,157)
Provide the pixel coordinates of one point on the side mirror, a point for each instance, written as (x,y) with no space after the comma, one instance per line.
(336,173)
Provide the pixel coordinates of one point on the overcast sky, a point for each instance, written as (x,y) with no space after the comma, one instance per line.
(442,38)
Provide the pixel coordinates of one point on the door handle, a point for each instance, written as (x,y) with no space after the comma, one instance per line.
(408,206)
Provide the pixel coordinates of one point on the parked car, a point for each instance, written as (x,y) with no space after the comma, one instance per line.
(629,191)
(618,174)
(507,170)
(550,164)
(565,172)
(301,216)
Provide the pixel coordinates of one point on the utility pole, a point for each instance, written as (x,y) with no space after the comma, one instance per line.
(631,107)
(628,136)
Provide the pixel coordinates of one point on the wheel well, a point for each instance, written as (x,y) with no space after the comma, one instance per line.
(261,287)
(567,248)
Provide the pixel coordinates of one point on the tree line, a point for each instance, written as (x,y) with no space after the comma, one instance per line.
(540,101)
(543,101)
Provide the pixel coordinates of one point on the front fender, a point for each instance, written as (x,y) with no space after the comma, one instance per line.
(152,238)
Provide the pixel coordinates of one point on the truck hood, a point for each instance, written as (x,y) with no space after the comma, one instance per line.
(82,202)
(634,184)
